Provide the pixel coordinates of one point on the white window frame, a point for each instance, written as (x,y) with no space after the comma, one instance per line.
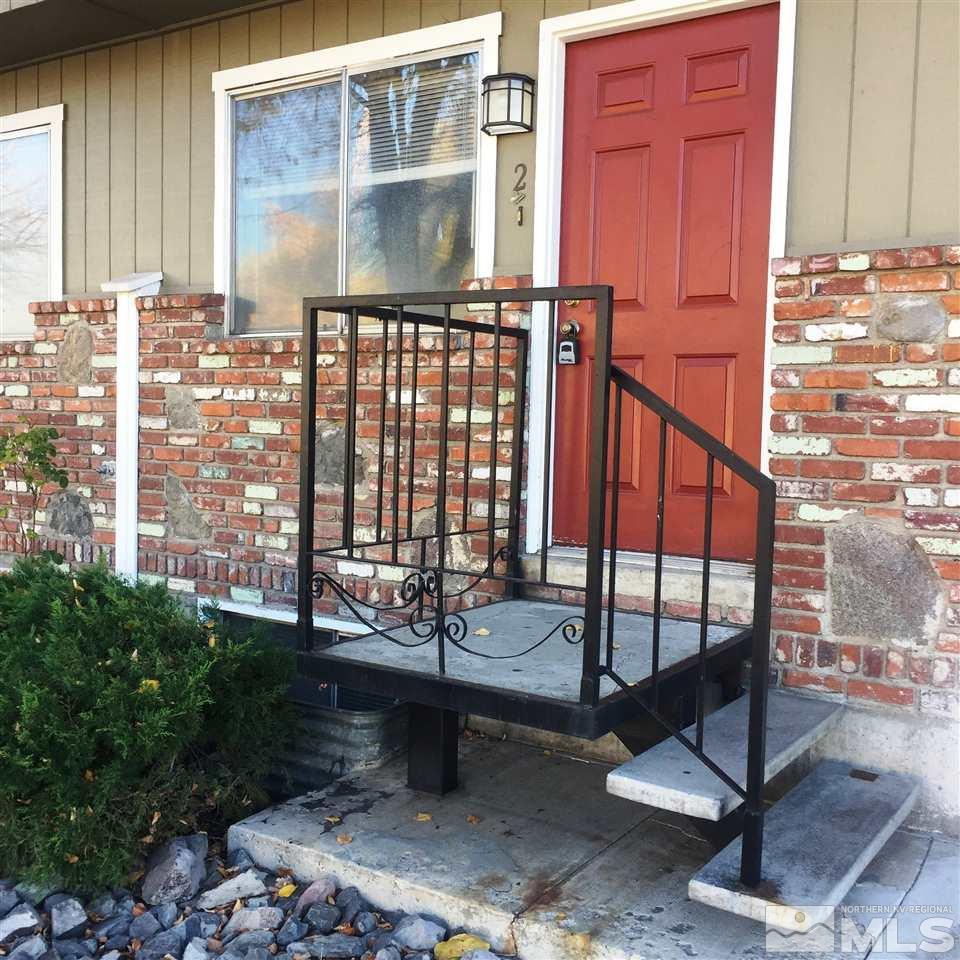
(25,124)
(478,33)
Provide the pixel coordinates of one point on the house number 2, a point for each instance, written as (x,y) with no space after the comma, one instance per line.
(519,191)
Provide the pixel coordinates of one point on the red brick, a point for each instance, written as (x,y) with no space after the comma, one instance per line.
(857,307)
(905,426)
(880,692)
(784,467)
(932,449)
(799,558)
(867,353)
(805,651)
(820,263)
(951,302)
(921,670)
(782,423)
(931,280)
(867,403)
(921,352)
(811,536)
(924,256)
(873,661)
(798,622)
(837,379)
(849,658)
(844,286)
(799,579)
(835,424)
(803,311)
(826,653)
(821,681)
(786,333)
(859,447)
(836,469)
(789,288)
(951,426)
(951,351)
(948,569)
(801,401)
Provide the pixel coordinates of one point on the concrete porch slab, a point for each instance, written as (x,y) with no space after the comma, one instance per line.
(533,854)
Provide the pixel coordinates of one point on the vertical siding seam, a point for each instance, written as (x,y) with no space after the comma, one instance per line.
(86,147)
(109,164)
(189,156)
(913,119)
(163,154)
(850,105)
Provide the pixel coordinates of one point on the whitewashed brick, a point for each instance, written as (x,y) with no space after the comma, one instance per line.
(293,377)
(951,498)
(151,529)
(84,391)
(252,508)
(181,585)
(104,360)
(907,378)
(206,393)
(260,491)
(266,426)
(940,546)
(953,328)
(350,569)
(815,332)
(271,541)
(788,356)
(809,446)
(90,420)
(239,393)
(246,595)
(166,376)
(214,361)
(920,496)
(17,390)
(153,423)
(44,347)
(813,513)
(934,403)
(853,261)
(905,472)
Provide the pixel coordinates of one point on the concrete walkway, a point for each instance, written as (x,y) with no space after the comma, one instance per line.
(531,852)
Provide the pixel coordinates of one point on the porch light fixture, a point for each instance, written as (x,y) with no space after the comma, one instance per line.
(507,104)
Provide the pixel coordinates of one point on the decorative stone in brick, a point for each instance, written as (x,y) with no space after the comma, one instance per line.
(76,354)
(181,408)
(910,319)
(330,459)
(881,585)
(69,515)
(185,520)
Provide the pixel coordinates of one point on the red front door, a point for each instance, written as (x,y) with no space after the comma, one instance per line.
(668,145)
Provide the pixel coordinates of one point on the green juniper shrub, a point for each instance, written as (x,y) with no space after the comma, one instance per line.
(124,721)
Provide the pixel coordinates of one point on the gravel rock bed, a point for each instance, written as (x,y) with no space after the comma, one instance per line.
(195,906)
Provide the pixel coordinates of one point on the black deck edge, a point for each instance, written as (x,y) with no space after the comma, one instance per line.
(544,713)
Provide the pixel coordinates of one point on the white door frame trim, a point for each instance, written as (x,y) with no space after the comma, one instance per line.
(555,34)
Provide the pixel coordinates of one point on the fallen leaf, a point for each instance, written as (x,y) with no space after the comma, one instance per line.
(481,632)
(423,817)
(344,838)
(72,858)
(334,819)
(559,915)
(156,817)
(287,890)
(214,945)
(238,905)
(617,646)
(284,872)
(135,945)
(89,776)
(347,929)
(472,818)
(146,685)
(139,909)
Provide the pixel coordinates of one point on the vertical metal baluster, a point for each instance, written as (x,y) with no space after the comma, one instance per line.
(494,420)
(547,443)
(423,570)
(658,566)
(411,461)
(308,434)
(466,447)
(705,599)
(442,487)
(614,516)
(516,468)
(383,425)
(397,391)
(350,452)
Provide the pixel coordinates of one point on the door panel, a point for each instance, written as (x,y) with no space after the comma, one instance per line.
(668,144)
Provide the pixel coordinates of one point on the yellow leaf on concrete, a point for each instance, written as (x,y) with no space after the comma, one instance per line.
(344,838)
(472,819)
(481,632)
(333,818)
(287,890)
(423,817)
(456,947)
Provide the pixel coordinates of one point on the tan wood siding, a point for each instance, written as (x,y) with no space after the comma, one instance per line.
(874,146)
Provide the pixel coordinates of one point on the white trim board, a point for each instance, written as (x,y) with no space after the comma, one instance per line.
(26,123)
(482,33)
(555,34)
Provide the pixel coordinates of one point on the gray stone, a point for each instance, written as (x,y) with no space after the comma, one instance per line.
(911,318)
(176,870)
(111,954)
(168,941)
(387,953)
(292,930)
(67,917)
(103,906)
(365,922)
(145,926)
(166,913)
(479,955)
(181,408)
(107,469)
(202,924)
(8,900)
(258,918)
(258,953)
(28,949)
(20,921)
(417,933)
(184,518)
(196,949)
(882,585)
(70,949)
(854,813)
(330,459)
(254,940)
(259,902)
(322,917)
(239,859)
(333,947)
(118,942)
(76,354)
(668,777)
(317,892)
(112,926)
(34,892)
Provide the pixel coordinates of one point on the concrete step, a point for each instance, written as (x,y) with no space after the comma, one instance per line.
(816,842)
(668,776)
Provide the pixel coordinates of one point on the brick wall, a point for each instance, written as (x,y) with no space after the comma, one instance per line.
(65,377)
(865,446)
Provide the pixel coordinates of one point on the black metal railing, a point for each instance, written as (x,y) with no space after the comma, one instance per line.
(424,455)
